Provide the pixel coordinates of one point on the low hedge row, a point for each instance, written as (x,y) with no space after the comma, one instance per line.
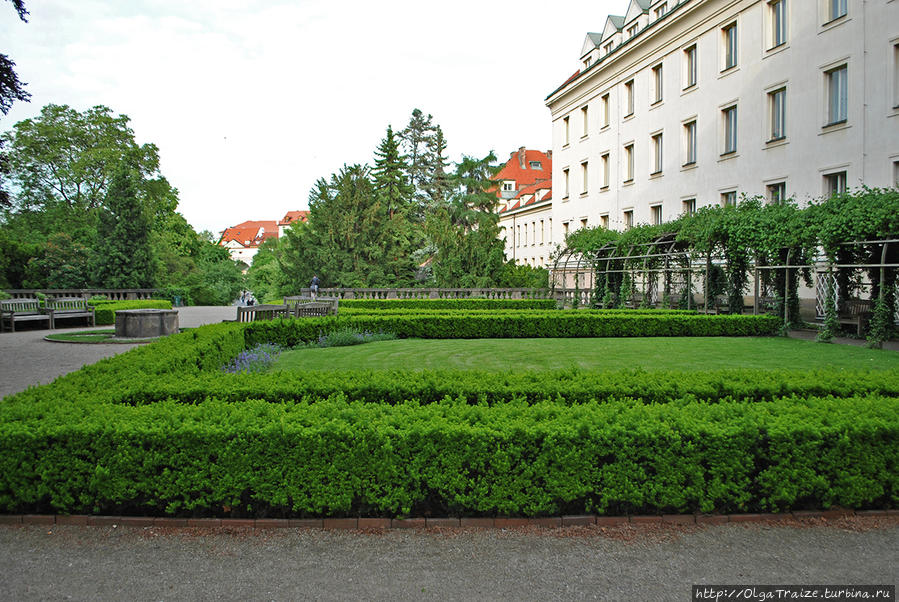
(338,458)
(476,387)
(455,304)
(105,310)
(509,324)
(480,311)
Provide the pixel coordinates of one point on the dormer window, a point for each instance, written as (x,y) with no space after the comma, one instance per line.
(508,185)
(661,10)
(535,165)
(608,48)
(588,62)
(632,30)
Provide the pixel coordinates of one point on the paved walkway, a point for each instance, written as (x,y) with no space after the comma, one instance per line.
(26,359)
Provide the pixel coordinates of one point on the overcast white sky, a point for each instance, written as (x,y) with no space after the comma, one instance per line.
(251,102)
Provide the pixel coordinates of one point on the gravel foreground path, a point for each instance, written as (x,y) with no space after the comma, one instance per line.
(575,563)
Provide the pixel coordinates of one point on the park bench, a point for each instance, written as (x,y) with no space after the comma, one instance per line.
(857,312)
(21,310)
(312,307)
(69,307)
(253,313)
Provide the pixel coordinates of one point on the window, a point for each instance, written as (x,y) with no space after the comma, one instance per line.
(583,223)
(565,229)
(837,95)
(777,15)
(605,170)
(632,31)
(542,232)
(586,121)
(565,182)
(661,10)
(688,207)
(777,110)
(604,220)
(656,154)
(518,236)
(730,130)
(533,233)
(835,183)
(524,241)
(629,97)
(605,110)
(655,214)
(896,76)
(690,67)
(629,163)
(729,35)
(588,62)
(608,48)
(836,9)
(729,199)
(550,230)
(690,142)
(629,218)
(584,173)
(777,192)
(657,84)
(508,185)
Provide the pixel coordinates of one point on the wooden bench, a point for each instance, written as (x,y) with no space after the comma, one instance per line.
(22,310)
(69,307)
(312,307)
(252,313)
(857,312)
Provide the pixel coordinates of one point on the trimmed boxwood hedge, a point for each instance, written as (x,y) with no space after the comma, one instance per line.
(618,443)
(105,310)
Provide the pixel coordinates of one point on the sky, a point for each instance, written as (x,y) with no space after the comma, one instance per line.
(251,102)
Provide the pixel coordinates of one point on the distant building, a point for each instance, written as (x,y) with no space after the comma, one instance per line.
(524,191)
(684,104)
(243,240)
(290,218)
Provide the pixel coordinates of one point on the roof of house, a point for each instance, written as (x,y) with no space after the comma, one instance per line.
(293,216)
(250,233)
(532,191)
(525,175)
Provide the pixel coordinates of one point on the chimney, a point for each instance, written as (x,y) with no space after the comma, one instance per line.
(549,155)
(521,157)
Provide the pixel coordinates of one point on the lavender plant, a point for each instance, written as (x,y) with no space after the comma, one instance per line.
(258,359)
(350,336)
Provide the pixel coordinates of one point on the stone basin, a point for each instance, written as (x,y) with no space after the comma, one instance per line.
(145,323)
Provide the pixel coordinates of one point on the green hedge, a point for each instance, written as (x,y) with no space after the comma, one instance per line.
(105,310)
(448,304)
(511,324)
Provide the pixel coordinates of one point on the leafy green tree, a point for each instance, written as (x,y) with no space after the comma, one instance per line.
(11,89)
(265,277)
(63,263)
(123,256)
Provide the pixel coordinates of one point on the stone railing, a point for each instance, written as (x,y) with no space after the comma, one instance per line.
(433,293)
(120,294)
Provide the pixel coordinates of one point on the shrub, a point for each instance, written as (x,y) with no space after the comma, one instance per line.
(105,310)
(258,359)
(345,337)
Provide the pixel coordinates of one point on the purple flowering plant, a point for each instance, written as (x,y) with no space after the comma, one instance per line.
(258,359)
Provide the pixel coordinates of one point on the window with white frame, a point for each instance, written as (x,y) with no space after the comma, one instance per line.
(606,110)
(584,177)
(777,192)
(729,41)
(777,111)
(604,220)
(632,30)
(729,198)
(657,154)
(690,73)
(566,132)
(777,21)
(608,48)
(517,236)
(533,233)
(524,241)
(550,227)
(629,163)
(508,185)
(587,62)
(835,183)
(837,83)
(564,229)
(542,232)
(586,121)
(729,116)
(688,206)
(690,142)
(896,173)
(605,170)
(629,97)
(628,218)
(896,75)
(661,10)
(657,84)
(655,215)
(836,9)
(583,223)
(565,182)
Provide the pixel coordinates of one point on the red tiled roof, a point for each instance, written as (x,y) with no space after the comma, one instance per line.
(248,233)
(533,188)
(526,176)
(292,216)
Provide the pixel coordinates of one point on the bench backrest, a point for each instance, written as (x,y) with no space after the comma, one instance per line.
(20,306)
(856,307)
(67,303)
(262,312)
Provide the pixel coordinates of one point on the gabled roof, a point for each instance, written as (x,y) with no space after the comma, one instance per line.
(525,176)
(591,41)
(613,25)
(293,216)
(250,233)
(635,9)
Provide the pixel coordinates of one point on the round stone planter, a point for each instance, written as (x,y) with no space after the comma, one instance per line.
(145,323)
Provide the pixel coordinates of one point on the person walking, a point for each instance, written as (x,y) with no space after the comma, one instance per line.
(314,286)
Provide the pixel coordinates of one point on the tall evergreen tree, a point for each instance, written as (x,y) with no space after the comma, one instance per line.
(123,254)
(418,145)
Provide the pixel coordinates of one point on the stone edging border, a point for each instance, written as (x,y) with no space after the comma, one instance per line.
(551,522)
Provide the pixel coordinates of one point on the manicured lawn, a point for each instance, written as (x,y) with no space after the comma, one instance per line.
(651,353)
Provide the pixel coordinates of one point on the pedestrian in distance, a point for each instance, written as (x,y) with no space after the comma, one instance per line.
(314,285)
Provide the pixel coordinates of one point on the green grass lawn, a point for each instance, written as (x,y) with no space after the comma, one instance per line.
(650,353)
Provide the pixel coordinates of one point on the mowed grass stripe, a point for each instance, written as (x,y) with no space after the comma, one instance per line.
(649,353)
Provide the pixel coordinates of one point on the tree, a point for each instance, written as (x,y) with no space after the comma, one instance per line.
(63,263)
(419,144)
(265,277)
(124,257)
(11,89)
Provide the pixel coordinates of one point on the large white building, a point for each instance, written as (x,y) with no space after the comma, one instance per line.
(679,105)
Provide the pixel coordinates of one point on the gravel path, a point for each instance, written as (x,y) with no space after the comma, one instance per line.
(93,563)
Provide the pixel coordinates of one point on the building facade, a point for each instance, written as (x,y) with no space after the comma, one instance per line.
(680,105)
(524,193)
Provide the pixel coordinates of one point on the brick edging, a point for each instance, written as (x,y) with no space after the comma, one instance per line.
(550,522)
